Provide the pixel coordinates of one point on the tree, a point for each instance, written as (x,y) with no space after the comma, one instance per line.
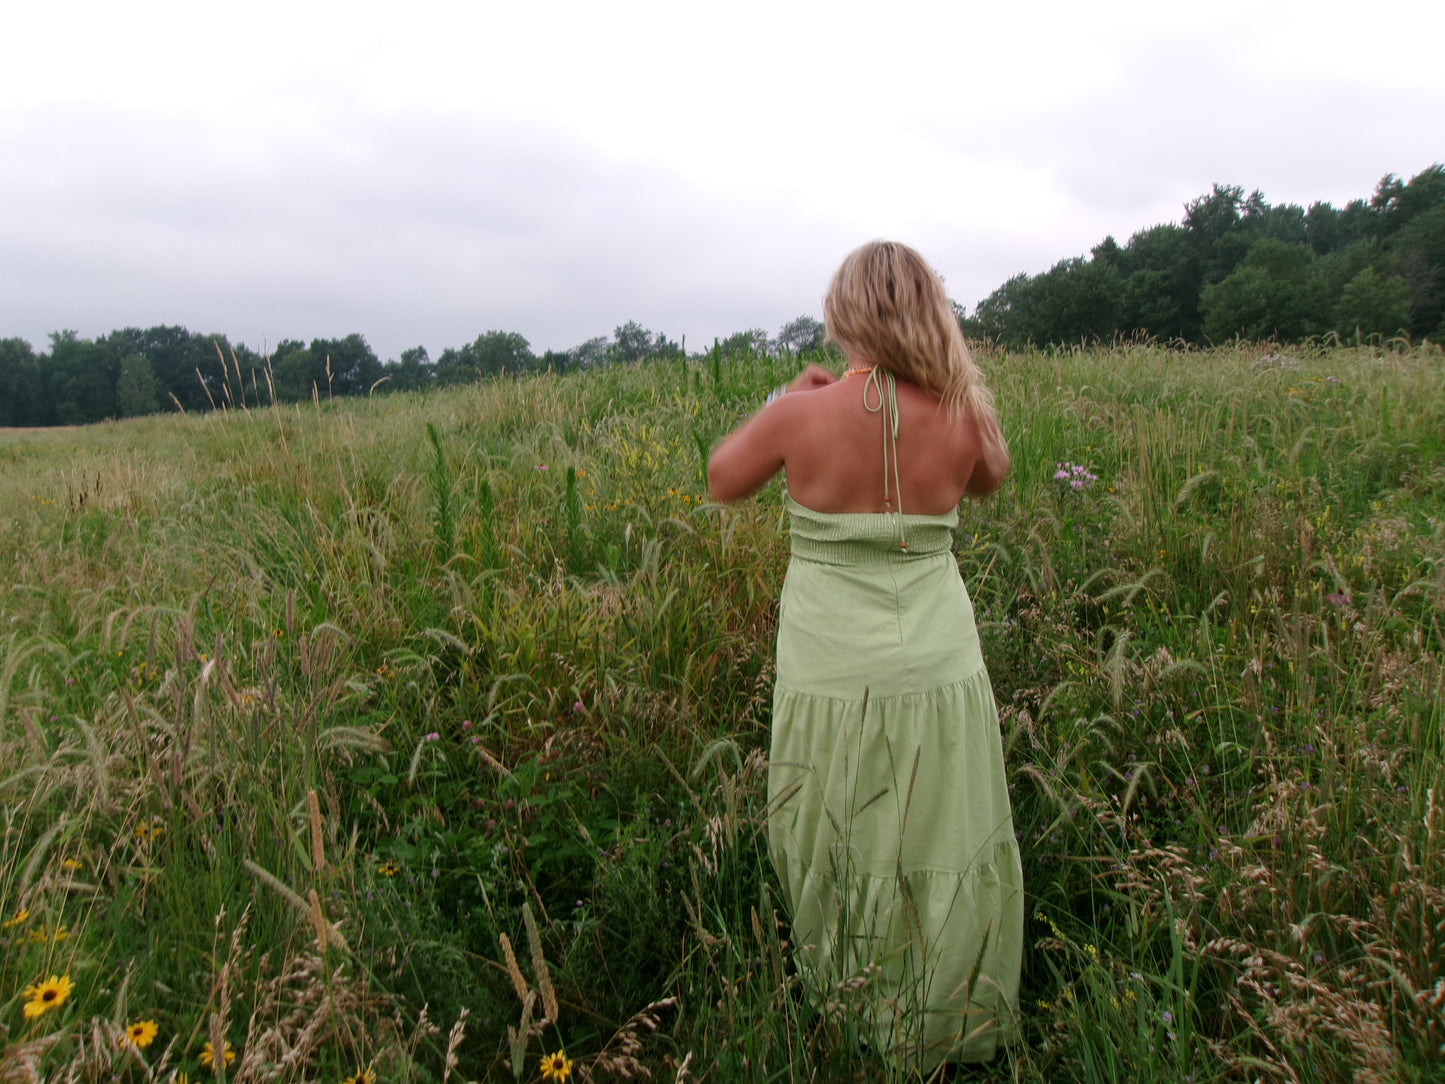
(1373,304)
(296,373)
(412,373)
(80,380)
(22,398)
(752,341)
(1418,252)
(802,335)
(631,342)
(591,353)
(1213,222)
(137,391)
(1076,299)
(348,365)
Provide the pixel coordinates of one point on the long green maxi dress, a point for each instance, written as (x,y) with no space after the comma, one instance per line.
(891,829)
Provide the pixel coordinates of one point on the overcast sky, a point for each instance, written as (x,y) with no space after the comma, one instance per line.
(424,172)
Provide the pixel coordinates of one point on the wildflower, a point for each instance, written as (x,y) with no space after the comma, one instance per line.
(1074,477)
(41,936)
(389,868)
(540,466)
(556,1066)
(227,1055)
(140,1034)
(149,831)
(433,736)
(20,916)
(362,1076)
(72,865)
(44,996)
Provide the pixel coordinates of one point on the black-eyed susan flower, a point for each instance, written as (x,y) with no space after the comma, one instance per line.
(556,1066)
(362,1076)
(149,831)
(72,865)
(140,1034)
(388,868)
(44,996)
(20,916)
(208,1059)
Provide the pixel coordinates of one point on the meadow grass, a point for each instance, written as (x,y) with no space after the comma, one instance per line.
(424,735)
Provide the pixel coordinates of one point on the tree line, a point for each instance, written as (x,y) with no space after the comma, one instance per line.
(1237,266)
(133,372)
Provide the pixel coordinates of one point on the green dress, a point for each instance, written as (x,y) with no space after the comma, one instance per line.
(891,829)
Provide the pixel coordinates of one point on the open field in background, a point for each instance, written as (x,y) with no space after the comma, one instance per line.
(303,711)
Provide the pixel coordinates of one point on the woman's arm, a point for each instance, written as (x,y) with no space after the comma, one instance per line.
(993,461)
(754,452)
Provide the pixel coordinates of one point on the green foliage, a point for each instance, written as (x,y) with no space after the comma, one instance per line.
(1238,266)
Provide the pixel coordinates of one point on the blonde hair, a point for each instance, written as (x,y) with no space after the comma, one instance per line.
(887,307)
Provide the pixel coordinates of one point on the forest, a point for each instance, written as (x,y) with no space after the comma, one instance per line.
(1235,267)
(1238,267)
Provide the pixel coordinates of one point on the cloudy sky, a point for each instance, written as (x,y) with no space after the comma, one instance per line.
(424,172)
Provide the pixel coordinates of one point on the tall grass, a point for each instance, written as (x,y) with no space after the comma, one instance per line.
(304,710)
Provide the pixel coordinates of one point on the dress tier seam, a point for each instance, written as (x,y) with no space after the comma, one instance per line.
(981,674)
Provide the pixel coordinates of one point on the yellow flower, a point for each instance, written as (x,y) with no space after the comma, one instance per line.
(363,1076)
(227,1055)
(44,996)
(73,865)
(20,916)
(40,936)
(149,831)
(388,868)
(556,1066)
(140,1034)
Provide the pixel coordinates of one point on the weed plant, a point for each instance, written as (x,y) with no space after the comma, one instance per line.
(328,727)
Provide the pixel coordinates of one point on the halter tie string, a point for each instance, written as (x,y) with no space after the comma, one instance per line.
(880,396)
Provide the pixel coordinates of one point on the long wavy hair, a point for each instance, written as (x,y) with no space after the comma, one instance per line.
(886,306)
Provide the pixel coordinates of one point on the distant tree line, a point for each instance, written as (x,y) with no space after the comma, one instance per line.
(134,372)
(1238,266)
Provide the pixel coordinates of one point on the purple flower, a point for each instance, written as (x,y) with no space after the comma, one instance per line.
(433,736)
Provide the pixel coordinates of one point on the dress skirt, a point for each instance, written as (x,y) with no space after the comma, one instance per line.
(890,827)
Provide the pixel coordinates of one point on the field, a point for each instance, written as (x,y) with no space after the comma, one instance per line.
(363,736)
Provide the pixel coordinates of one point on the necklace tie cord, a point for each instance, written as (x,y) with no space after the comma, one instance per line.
(880,396)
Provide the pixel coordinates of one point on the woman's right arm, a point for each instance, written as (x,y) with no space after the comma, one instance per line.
(752,453)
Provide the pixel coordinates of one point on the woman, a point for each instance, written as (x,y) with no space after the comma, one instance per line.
(891,830)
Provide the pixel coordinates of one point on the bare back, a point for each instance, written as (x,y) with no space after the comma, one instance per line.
(834,450)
